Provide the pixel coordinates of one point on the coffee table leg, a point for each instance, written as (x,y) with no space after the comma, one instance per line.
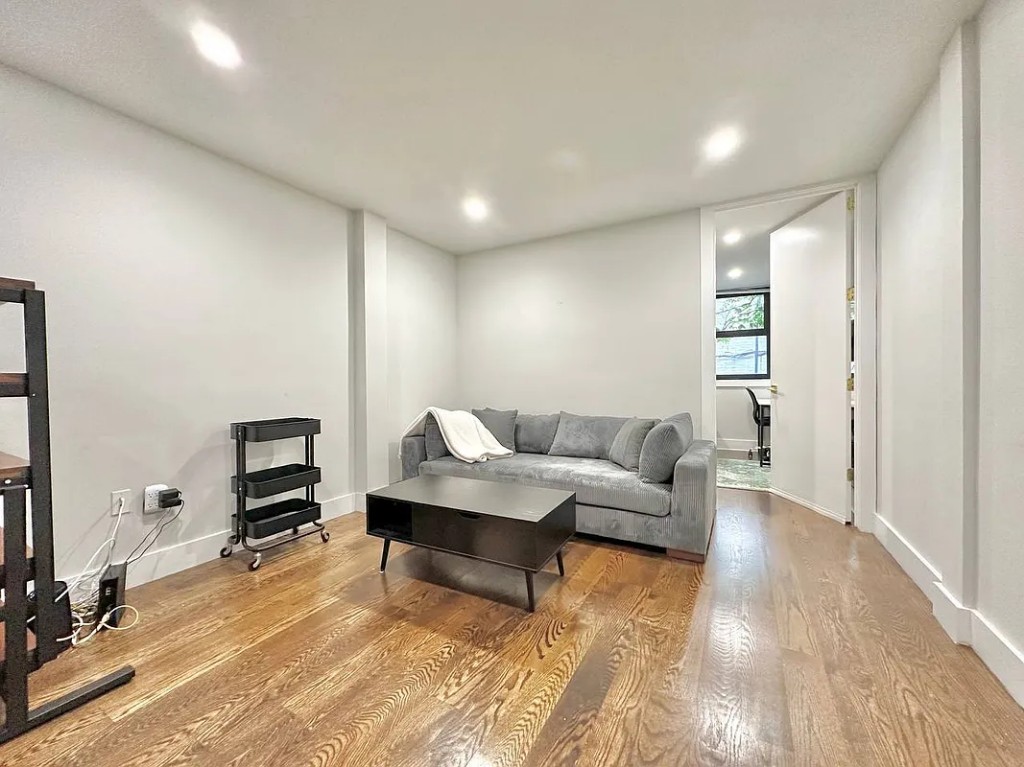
(529,588)
(384,554)
(561,564)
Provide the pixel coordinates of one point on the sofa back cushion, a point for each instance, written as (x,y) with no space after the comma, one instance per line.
(585,436)
(664,445)
(432,439)
(625,449)
(500,423)
(535,433)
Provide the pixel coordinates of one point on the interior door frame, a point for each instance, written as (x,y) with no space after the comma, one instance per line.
(865,417)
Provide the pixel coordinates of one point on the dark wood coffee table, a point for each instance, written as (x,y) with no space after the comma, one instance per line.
(508,524)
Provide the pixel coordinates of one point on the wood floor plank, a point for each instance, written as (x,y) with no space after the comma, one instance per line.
(798,642)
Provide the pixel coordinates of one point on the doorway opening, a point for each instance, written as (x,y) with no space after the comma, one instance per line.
(784,347)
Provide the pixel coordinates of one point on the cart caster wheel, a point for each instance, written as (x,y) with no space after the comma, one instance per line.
(325,536)
(226,551)
(255,564)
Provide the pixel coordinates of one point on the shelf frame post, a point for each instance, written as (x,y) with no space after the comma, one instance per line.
(41,489)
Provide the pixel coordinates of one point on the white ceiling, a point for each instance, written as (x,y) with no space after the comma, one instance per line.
(752,253)
(564,114)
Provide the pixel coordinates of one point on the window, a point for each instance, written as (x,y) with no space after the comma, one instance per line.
(742,333)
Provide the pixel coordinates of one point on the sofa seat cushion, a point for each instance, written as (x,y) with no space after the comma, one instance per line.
(596,482)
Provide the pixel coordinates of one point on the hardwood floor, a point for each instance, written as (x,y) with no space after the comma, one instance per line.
(799,642)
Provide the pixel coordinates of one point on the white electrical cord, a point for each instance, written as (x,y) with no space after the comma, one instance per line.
(102,624)
(88,605)
(110,543)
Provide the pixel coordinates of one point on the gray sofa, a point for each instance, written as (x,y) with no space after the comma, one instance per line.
(659,490)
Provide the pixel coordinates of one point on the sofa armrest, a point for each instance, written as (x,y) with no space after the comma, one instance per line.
(414,452)
(694,495)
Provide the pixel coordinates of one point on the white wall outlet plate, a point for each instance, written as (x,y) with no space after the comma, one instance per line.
(152,501)
(116,498)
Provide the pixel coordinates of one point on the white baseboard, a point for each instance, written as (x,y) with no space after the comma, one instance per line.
(807,504)
(920,570)
(181,556)
(964,625)
(955,619)
(725,452)
(996,652)
(737,444)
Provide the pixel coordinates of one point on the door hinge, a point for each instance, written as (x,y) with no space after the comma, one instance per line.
(850,293)
(849,384)
(851,201)
(849,475)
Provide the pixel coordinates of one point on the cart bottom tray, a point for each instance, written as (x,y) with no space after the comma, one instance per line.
(275,518)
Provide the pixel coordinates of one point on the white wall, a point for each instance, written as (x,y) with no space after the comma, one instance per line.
(605,321)
(735,422)
(951,255)
(1001,532)
(912,423)
(368,317)
(183,292)
(421,334)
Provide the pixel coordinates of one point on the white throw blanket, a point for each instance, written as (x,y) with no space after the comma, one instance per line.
(464,434)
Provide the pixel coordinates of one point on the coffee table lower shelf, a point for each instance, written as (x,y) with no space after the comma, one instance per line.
(531,599)
(507,524)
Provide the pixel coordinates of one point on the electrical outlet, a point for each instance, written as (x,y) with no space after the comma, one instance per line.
(116,497)
(152,503)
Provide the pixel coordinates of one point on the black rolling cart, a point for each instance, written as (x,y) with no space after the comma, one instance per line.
(34,628)
(273,519)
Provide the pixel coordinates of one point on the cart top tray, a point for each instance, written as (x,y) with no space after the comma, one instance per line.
(276,428)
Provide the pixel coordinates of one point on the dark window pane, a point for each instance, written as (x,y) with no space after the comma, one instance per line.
(742,356)
(739,312)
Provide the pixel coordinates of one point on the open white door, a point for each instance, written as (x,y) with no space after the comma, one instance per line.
(810,414)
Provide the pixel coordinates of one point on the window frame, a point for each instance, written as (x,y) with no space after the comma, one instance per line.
(766,331)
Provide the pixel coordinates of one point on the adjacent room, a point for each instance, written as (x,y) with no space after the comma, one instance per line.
(511,385)
(784,349)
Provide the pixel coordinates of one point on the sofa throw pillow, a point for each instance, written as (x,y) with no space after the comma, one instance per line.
(433,441)
(664,445)
(535,433)
(625,449)
(585,436)
(500,423)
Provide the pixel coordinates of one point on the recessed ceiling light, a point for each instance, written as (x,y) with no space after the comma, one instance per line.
(475,208)
(722,143)
(215,45)
(734,273)
(732,237)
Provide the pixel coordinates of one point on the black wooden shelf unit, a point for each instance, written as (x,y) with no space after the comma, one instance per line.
(275,518)
(36,628)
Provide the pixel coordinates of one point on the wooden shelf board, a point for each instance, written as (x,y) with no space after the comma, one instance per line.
(13,384)
(14,289)
(11,466)
(13,284)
